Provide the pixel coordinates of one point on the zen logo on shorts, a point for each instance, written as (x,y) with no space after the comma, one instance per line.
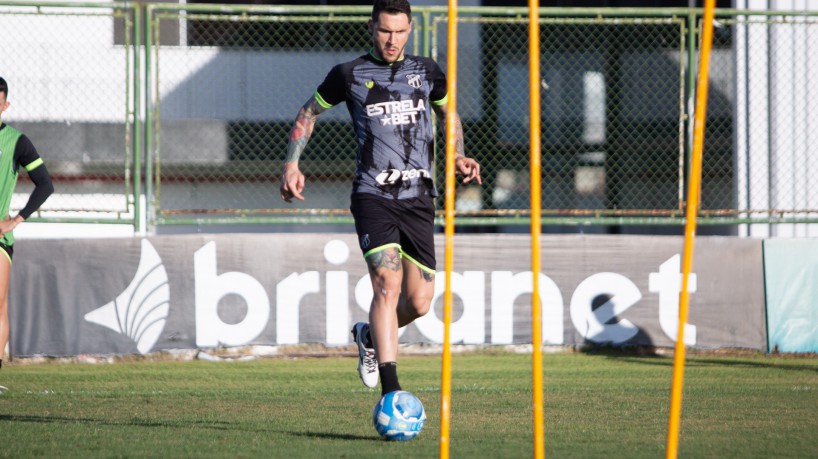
(393,176)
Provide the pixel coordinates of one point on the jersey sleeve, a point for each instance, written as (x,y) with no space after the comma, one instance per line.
(333,90)
(26,156)
(439,92)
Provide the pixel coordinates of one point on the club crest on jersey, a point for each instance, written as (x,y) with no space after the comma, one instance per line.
(414,81)
(369,84)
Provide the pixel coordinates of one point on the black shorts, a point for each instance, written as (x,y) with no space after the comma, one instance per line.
(8,249)
(408,224)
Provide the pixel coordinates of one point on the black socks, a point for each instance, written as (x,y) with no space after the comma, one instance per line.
(389,377)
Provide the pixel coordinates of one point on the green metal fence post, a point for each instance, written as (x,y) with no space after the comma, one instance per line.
(150,209)
(690,90)
(137,117)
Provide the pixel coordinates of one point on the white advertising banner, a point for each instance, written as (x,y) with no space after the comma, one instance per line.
(126,296)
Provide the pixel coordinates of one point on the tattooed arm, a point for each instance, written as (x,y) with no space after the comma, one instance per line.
(292,180)
(468,167)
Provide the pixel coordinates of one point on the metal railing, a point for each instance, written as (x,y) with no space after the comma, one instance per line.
(72,87)
(182,112)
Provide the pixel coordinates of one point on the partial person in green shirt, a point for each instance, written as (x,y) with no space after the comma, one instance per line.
(16,152)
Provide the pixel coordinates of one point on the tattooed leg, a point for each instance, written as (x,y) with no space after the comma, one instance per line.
(386,272)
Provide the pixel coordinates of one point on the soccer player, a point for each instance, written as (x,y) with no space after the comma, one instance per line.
(390,97)
(16,152)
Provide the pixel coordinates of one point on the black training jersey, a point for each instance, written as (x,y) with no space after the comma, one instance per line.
(390,106)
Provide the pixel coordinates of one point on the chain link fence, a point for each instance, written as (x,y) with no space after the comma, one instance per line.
(613,111)
(762,119)
(228,88)
(208,96)
(70,74)
(612,115)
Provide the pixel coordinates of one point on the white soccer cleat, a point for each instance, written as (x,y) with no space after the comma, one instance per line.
(3,390)
(367,363)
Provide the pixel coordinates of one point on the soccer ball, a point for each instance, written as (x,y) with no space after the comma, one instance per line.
(399,416)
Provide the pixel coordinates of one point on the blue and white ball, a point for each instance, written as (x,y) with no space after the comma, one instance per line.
(399,416)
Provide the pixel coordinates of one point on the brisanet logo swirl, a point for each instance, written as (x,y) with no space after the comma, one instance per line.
(141,310)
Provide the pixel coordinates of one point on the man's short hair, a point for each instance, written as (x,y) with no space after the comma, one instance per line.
(4,87)
(391,7)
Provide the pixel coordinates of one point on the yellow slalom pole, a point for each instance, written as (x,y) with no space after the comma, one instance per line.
(451,141)
(693,197)
(536,214)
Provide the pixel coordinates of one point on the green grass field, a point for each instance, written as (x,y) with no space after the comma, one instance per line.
(595,406)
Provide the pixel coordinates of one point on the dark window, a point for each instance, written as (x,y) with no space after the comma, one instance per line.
(610,3)
(256,32)
(287,2)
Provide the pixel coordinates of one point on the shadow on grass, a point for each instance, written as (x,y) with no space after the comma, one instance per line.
(733,362)
(649,356)
(334,436)
(213,425)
